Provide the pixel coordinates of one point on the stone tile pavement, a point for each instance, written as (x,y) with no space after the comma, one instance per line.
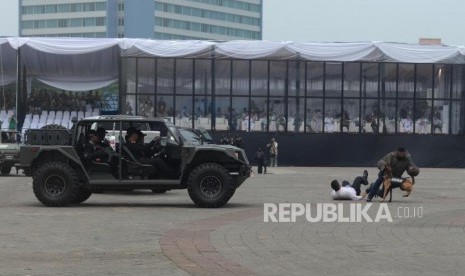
(140,233)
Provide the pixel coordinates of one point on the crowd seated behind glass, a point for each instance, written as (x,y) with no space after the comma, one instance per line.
(41,99)
(406,125)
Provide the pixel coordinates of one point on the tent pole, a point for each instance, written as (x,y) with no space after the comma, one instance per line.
(18,81)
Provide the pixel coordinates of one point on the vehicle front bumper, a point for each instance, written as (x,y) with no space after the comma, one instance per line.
(241,175)
(8,160)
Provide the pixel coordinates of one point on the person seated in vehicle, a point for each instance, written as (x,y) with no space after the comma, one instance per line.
(103,142)
(106,147)
(150,153)
(92,150)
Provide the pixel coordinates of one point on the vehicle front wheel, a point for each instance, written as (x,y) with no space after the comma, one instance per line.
(56,184)
(5,169)
(210,185)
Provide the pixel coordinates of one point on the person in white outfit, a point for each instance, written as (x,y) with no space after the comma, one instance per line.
(273,146)
(346,192)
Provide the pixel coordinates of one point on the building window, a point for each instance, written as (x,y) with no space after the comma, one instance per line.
(100,21)
(62,23)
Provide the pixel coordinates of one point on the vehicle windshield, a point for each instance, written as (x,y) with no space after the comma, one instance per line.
(205,134)
(189,136)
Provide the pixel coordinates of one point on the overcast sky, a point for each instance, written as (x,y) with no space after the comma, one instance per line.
(339,20)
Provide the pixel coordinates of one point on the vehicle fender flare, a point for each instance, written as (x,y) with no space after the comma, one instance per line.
(58,155)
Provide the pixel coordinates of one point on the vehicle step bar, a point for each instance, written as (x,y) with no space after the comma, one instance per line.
(130,182)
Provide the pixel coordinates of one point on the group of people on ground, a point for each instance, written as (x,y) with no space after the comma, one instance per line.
(399,161)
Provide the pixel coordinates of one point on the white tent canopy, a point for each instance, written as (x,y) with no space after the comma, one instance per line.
(7,63)
(86,64)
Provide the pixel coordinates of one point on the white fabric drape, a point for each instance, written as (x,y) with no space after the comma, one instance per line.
(70,84)
(7,79)
(91,68)
(254,49)
(419,53)
(336,51)
(66,62)
(65,46)
(7,62)
(157,48)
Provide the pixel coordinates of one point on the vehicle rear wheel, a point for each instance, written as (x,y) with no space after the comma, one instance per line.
(56,184)
(210,185)
(5,169)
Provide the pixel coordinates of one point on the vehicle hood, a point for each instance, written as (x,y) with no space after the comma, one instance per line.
(9,149)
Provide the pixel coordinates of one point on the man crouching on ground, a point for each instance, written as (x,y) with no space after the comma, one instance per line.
(400,161)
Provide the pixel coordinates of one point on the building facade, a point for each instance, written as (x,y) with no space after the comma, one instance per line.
(158,19)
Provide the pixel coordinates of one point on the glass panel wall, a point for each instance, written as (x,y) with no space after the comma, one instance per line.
(297,96)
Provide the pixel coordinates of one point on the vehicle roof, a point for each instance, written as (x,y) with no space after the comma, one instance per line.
(128,118)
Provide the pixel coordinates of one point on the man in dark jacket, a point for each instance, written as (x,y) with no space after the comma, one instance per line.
(400,161)
(92,151)
(260,157)
(149,153)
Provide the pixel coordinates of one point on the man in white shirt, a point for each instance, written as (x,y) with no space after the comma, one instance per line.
(346,192)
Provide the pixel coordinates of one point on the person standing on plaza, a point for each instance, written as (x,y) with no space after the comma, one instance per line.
(12,126)
(273,146)
(260,158)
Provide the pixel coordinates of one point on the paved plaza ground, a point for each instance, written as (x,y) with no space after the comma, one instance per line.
(140,233)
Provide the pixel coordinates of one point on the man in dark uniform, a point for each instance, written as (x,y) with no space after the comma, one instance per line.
(149,153)
(400,161)
(92,150)
(260,157)
(224,140)
(103,142)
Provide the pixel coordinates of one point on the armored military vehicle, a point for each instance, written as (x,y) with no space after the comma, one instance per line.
(62,175)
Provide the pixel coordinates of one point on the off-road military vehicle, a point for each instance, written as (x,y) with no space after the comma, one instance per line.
(62,176)
(9,150)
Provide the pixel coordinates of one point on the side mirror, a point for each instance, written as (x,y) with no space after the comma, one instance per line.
(163,141)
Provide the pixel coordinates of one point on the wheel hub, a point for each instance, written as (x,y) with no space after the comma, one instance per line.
(210,186)
(54,185)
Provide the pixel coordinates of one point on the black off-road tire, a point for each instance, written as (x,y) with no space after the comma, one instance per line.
(159,190)
(56,184)
(84,194)
(5,169)
(210,185)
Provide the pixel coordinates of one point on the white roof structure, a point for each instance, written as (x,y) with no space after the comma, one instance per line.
(79,64)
